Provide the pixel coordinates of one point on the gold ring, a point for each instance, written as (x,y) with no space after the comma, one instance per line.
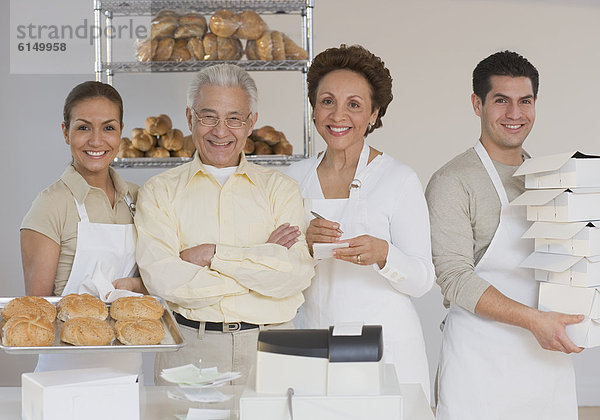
(358,258)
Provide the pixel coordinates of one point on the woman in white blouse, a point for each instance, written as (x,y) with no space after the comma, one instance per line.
(372,203)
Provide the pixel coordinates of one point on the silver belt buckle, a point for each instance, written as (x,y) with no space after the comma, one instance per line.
(231,326)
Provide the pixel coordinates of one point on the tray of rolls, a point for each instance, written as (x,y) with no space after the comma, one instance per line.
(76,323)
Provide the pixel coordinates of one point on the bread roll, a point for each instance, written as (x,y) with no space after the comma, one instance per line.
(293,51)
(172,140)
(157,152)
(194,19)
(128,150)
(252,50)
(78,306)
(164,49)
(34,305)
(136,307)
(278,48)
(140,331)
(187,150)
(163,26)
(224,23)
(210,46)
(87,332)
(229,48)
(249,146)
(180,51)
(261,148)
(283,148)
(188,31)
(264,46)
(251,25)
(157,126)
(267,134)
(146,49)
(196,48)
(142,140)
(27,330)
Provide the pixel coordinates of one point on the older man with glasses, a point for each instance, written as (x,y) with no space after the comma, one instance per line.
(219,238)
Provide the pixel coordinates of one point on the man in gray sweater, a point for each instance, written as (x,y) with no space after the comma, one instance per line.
(501,358)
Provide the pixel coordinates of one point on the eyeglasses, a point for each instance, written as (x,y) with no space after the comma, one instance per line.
(214,121)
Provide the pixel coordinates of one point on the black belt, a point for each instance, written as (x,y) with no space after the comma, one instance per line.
(215,326)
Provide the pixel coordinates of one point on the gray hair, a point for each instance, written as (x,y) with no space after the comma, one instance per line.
(228,75)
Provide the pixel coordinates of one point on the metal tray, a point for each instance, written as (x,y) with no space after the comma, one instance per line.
(173,339)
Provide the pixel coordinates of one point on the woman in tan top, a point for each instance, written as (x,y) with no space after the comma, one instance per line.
(59,246)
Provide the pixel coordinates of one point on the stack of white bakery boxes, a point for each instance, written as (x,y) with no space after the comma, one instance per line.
(563,201)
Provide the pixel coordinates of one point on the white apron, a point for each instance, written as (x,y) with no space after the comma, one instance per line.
(346,292)
(491,370)
(111,245)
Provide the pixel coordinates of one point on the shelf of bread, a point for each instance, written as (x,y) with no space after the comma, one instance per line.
(170,162)
(191,66)
(141,8)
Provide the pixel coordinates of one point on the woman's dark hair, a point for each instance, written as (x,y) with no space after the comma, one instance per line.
(89,90)
(503,63)
(361,61)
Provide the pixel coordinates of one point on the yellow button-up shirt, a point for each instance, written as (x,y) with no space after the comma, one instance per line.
(248,279)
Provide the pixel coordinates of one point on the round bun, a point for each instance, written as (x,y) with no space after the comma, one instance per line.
(194,19)
(180,51)
(172,140)
(249,146)
(163,26)
(84,305)
(252,26)
(261,148)
(229,48)
(146,50)
(27,330)
(128,150)
(136,307)
(157,126)
(196,48)
(87,332)
(34,305)
(188,148)
(267,134)
(224,23)
(188,31)
(164,49)
(283,148)
(141,140)
(210,46)
(140,331)
(157,152)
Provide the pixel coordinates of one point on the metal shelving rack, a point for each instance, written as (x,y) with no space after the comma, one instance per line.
(105,68)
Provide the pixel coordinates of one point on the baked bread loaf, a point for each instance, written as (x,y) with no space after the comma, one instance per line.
(224,23)
(172,140)
(157,126)
(261,148)
(146,49)
(140,331)
(141,140)
(267,134)
(164,49)
(210,46)
(249,146)
(163,26)
(196,48)
(157,152)
(78,306)
(127,149)
(34,305)
(292,50)
(27,330)
(278,47)
(87,332)
(136,307)
(188,31)
(180,51)
(194,19)
(252,50)
(251,25)
(229,48)
(187,150)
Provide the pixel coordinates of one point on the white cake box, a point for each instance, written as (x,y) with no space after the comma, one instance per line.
(577,238)
(565,269)
(575,301)
(564,170)
(561,205)
(90,394)
(387,404)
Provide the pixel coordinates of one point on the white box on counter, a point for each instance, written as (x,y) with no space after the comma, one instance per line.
(576,238)
(564,170)
(90,394)
(564,269)
(387,404)
(574,301)
(561,205)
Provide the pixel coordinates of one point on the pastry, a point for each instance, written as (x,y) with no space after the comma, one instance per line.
(136,307)
(157,126)
(210,46)
(194,19)
(172,140)
(196,48)
(188,31)
(252,50)
(180,51)
(163,26)
(267,134)
(249,146)
(27,330)
(141,140)
(157,152)
(146,49)
(77,306)
(278,48)
(224,23)
(229,48)
(251,25)
(34,305)
(261,148)
(164,49)
(264,46)
(87,332)
(140,331)
(293,51)
(188,148)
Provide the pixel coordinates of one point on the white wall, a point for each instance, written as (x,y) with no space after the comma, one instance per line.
(431,49)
